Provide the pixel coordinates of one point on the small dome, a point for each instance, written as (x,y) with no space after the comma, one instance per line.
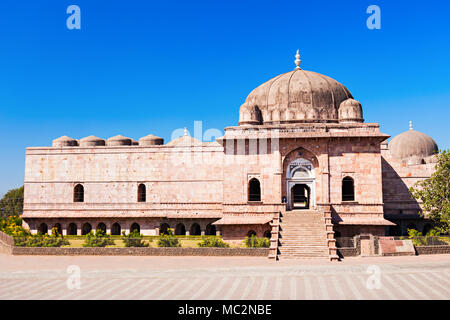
(151,140)
(413,145)
(349,111)
(118,140)
(64,141)
(92,141)
(249,115)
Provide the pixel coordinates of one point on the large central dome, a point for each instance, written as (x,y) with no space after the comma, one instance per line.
(299,96)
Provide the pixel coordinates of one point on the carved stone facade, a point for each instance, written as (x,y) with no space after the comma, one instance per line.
(292,138)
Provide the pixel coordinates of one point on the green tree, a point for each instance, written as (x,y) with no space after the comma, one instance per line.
(434,193)
(12,203)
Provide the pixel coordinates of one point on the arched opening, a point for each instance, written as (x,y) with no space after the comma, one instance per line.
(72,229)
(180,230)
(427,229)
(195,230)
(86,229)
(395,231)
(301,195)
(210,230)
(43,228)
(164,228)
(101,226)
(142,193)
(254,190)
(268,234)
(58,228)
(116,229)
(135,227)
(348,189)
(300,182)
(251,233)
(78,193)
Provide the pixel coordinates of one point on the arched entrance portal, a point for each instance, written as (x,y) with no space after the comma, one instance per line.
(301,185)
(301,196)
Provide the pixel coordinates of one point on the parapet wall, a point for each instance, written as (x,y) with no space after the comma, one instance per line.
(147,251)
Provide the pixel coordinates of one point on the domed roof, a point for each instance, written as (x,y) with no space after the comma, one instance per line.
(92,141)
(350,110)
(151,140)
(64,141)
(294,97)
(412,144)
(184,141)
(118,140)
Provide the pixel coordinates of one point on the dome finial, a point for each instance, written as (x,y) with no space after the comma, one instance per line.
(410,125)
(297,60)
(185,131)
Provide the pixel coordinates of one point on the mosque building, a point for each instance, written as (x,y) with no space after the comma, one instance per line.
(301,167)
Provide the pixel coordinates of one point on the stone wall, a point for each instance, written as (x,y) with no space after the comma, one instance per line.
(6,243)
(433,250)
(261,252)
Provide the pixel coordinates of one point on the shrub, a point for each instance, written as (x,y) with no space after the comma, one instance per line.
(134,239)
(41,240)
(255,242)
(215,242)
(12,226)
(99,239)
(416,237)
(168,240)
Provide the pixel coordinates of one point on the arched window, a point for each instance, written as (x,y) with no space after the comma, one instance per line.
(395,231)
(348,189)
(135,226)
(101,226)
(116,229)
(268,234)
(210,230)
(427,229)
(78,193)
(254,190)
(251,233)
(142,193)
(195,230)
(58,228)
(72,229)
(43,228)
(164,228)
(180,230)
(86,229)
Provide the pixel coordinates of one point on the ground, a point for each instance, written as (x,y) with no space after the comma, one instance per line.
(45,277)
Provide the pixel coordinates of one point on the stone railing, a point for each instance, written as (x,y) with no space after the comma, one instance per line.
(273,250)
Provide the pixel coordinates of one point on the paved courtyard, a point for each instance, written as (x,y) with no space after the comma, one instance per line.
(52,277)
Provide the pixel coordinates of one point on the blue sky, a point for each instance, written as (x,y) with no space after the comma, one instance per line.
(141,67)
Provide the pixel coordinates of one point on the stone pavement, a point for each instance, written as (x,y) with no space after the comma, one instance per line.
(46,277)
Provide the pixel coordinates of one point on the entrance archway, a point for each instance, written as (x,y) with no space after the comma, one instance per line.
(301,196)
(301,185)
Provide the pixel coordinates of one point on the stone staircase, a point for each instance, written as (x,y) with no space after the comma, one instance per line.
(306,234)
